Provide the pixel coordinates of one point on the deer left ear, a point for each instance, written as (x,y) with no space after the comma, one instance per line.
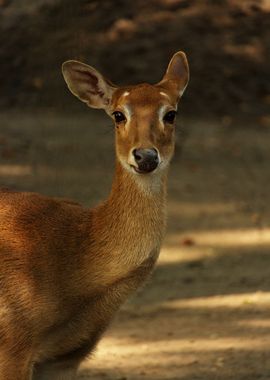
(88,84)
(177,74)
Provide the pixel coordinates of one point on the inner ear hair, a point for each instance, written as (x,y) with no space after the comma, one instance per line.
(177,73)
(88,84)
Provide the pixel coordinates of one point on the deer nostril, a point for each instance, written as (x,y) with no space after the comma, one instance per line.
(138,155)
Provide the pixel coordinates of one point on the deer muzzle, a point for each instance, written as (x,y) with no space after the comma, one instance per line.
(147,160)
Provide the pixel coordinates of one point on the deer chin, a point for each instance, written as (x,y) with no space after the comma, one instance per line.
(134,169)
(137,170)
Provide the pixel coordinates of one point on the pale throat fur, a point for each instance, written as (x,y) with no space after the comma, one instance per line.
(131,223)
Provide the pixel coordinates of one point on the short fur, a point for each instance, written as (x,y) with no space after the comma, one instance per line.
(65,270)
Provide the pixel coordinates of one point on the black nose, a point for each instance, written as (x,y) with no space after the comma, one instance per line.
(146,159)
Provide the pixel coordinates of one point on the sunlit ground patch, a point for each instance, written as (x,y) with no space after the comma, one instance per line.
(15,170)
(225,238)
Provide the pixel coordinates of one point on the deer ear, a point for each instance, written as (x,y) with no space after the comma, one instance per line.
(88,84)
(177,75)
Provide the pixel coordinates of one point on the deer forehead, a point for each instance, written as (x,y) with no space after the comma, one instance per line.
(143,101)
(144,112)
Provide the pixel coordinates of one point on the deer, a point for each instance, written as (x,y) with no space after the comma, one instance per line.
(66,269)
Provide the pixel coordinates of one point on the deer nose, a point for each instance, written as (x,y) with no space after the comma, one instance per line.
(146,159)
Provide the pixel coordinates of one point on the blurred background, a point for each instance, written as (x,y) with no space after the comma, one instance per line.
(227,42)
(205,313)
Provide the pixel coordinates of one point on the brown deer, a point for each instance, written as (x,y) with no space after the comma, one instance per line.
(65,270)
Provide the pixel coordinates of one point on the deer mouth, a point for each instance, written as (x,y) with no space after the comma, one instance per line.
(145,169)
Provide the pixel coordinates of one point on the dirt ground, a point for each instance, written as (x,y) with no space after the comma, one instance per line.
(205,314)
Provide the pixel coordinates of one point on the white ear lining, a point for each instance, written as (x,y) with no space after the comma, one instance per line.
(183,90)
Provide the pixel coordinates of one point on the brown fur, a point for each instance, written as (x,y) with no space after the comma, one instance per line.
(65,270)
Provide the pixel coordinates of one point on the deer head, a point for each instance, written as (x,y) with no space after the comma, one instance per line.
(144,114)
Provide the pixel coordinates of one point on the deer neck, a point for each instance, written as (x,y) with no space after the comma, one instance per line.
(134,193)
(130,224)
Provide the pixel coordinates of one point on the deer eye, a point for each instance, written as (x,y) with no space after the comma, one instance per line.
(119,117)
(169,117)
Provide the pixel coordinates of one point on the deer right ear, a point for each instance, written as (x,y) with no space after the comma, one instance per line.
(177,74)
(88,84)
